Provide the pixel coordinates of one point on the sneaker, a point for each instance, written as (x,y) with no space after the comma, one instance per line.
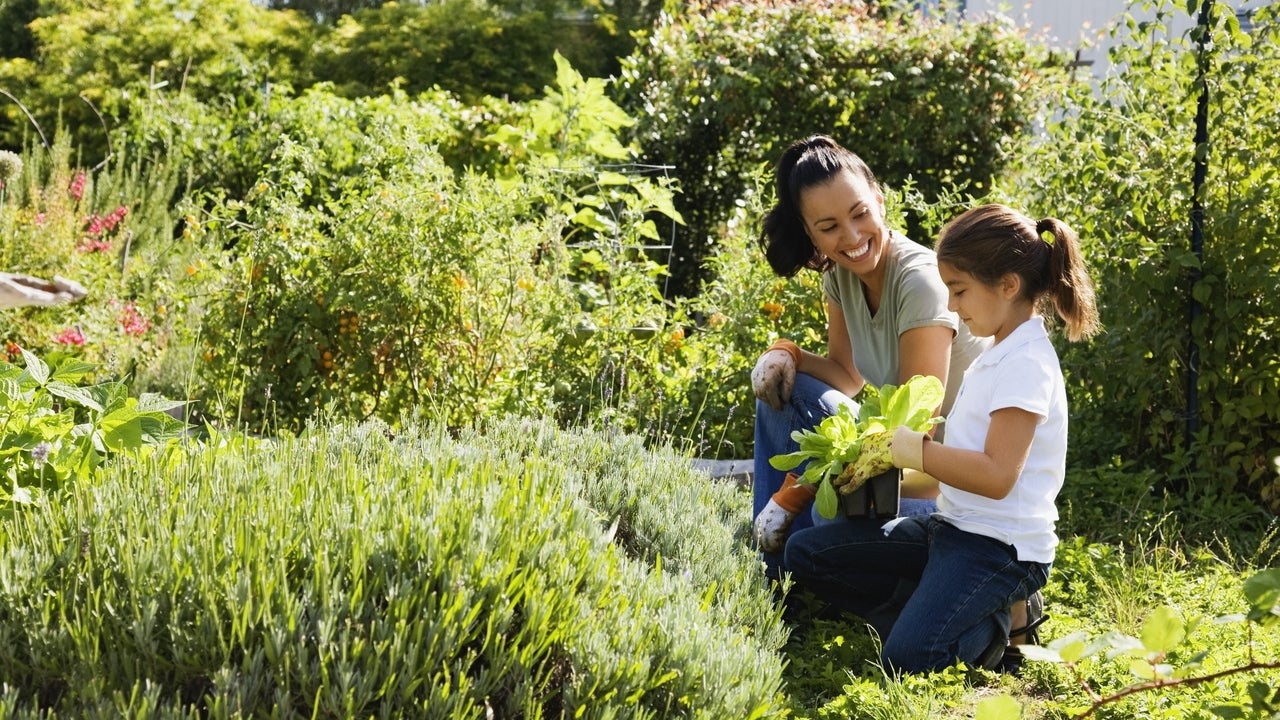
(1011,662)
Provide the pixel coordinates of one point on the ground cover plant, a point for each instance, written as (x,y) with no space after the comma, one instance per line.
(355,571)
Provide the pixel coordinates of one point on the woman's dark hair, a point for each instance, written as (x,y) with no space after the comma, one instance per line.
(991,241)
(806,163)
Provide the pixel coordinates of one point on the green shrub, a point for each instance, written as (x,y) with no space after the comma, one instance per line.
(360,572)
(471,48)
(1117,164)
(722,88)
(57,426)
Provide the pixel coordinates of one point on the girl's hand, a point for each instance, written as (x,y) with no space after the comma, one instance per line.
(908,448)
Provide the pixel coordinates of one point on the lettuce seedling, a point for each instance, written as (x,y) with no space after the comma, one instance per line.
(846,449)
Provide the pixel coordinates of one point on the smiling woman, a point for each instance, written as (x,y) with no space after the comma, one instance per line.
(887,319)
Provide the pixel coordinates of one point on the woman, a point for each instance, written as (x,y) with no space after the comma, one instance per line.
(887,320)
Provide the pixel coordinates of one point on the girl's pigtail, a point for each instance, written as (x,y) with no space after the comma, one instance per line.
(1070,289)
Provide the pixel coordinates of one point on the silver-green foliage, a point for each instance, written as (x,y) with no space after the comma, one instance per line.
(357,571)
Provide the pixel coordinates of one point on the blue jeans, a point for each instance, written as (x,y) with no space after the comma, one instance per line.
(811,401)
(934,593)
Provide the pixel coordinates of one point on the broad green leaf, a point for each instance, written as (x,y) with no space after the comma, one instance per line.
(1043,654)
(1163,630)
(153,402)
(1071,648)
(1142,669)
(827,502)
(79,395)
(1262,590)
(10,388)
(72,370)
(36,366)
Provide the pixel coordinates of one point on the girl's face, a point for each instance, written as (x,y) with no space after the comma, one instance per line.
(844,218)
(988,310)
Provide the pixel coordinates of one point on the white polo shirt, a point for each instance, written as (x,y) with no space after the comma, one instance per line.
(1022,371)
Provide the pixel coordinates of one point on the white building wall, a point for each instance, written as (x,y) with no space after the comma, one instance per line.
(1072,25)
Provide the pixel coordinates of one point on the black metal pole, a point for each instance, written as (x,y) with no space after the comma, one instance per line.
(1201,169)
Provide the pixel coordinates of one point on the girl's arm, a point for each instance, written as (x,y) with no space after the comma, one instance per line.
(925,351)
(992,471)
(837,369)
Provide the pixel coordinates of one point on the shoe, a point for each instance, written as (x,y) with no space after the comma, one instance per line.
(1011,661)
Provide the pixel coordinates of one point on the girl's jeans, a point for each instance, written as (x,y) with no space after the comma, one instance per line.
(811,401)
(934,593)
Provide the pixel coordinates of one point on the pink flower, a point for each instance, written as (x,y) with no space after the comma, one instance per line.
(132,322)
(93,244)
(70,336)
(76,189)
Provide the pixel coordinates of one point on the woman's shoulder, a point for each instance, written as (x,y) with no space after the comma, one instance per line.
(911,254)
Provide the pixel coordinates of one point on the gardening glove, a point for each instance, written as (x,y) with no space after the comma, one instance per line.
(908,448)
(774,521)
(874,459)
(775,373)
(23,290)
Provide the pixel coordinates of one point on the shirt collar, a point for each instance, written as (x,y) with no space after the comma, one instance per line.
(1028,332)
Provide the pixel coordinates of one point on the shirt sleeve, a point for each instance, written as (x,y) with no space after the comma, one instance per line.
(1027,385)
(922,300)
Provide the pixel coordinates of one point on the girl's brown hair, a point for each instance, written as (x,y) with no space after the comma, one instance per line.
(991,241)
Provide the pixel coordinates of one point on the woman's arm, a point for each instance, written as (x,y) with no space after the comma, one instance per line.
(837,368)
(918,485)
(925,351)
(992,471)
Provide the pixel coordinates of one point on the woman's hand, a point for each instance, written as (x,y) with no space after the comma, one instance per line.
(774,376)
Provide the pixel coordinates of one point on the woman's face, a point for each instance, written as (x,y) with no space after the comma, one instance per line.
(844,218)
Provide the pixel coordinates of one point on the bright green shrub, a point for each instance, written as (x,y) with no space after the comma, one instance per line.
(357,572)
(363,272)
(1117,165)
(91,62)
(468,47)
(722,88)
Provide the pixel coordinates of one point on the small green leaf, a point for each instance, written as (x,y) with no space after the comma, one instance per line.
(827,502)
(1262,590)
(1001,707)
(1163,630)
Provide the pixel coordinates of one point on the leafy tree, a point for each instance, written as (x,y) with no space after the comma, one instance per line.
(90,62)
(722,88)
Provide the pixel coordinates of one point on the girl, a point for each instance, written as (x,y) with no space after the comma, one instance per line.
(991,541)
(887,319)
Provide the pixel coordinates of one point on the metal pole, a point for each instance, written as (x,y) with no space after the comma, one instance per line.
(1201,169)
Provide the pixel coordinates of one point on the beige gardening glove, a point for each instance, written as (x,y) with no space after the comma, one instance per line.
(24,290)
(775,373)
(774,521)
(908,448)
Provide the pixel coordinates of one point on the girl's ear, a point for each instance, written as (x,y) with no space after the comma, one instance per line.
(1010,286)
